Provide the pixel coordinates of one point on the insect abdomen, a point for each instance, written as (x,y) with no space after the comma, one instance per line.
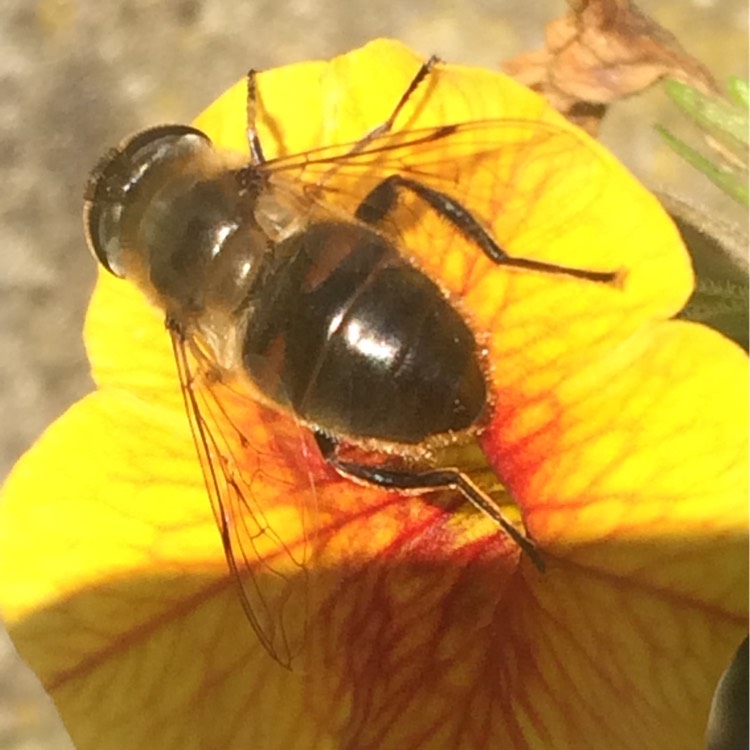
(360,343)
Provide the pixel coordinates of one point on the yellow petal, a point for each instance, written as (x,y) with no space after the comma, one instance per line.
(423,632)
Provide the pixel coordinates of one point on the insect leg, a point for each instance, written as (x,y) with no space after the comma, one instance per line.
(433,479)
(256,150)
(387,125)
(383,197)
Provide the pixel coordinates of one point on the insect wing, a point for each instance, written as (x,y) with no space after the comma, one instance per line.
(263,498)
(525,181)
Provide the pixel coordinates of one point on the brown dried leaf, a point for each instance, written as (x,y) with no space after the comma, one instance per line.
(601,51)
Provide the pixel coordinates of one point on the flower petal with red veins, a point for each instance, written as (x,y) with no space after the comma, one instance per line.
(621,435)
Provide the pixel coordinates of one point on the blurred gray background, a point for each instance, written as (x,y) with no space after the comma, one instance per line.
(78,75)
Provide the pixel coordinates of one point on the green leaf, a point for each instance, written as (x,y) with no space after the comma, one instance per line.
(727,179)
(738,91)
(724,123)
(717,117)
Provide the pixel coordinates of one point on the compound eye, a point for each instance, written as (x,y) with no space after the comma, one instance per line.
(113,185)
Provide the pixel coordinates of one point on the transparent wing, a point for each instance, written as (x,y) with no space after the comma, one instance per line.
(525,181)
(254,463)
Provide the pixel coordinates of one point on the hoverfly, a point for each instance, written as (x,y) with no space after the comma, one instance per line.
(277,289)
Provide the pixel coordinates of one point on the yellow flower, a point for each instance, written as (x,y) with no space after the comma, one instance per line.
(621,434)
